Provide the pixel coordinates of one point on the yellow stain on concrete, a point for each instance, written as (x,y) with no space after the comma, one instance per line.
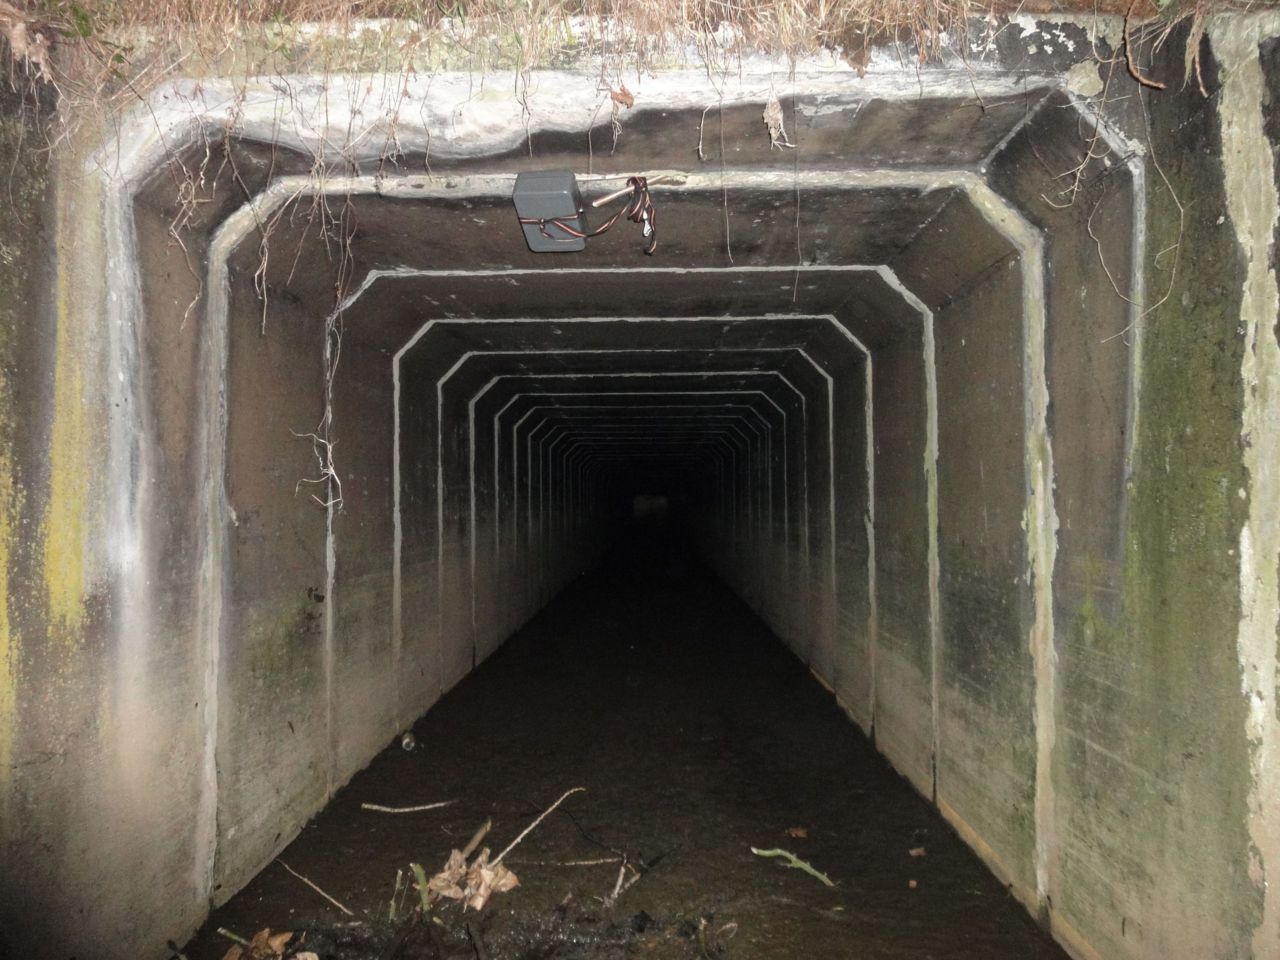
(66,519)
(8,642)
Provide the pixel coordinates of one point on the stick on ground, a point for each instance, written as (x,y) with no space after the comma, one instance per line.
(542,816)
(379,808)
(315,888)
(795,863)
(476,838)
(233,937)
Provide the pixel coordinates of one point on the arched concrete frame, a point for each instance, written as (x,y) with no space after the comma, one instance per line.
(568,434)
(668,353)
(765,437)
(124,542)
(475,475)
(562,396)
(571,462)
(740,424)
(696,387)
(428,326)
(885,275)
(1040,508)
(723,320)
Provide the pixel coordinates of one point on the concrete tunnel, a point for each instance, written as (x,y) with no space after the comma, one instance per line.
(921,387)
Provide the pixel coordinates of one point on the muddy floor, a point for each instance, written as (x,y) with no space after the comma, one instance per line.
(697,736)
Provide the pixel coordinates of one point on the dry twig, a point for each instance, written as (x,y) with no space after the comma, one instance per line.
(314,887)
(1129,60)
(530,828)
(379,808)
(795,863)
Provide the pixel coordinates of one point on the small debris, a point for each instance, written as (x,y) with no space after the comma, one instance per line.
(264,946)
(623,884)
(798,833)
(795,863)
(475,882)
(773,120)
(408,742)
(311,883)
(623,97)
(29,42)
(472,883)
(911,884)
(379,808)
(916,851)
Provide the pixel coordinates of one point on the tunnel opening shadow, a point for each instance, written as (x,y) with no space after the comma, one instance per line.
(698,736)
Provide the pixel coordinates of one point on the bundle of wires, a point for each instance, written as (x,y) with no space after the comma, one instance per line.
(637,208)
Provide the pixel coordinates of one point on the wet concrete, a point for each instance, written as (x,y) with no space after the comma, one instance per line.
(697,735)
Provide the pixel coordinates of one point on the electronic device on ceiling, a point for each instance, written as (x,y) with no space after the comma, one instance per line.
(550,210)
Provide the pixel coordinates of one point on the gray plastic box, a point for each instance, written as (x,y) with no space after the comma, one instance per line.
(547,195)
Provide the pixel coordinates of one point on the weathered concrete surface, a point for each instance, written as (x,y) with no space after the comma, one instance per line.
(1101,727)
(26,350)
(1249,146)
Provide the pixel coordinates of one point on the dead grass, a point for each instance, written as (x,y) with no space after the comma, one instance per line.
(107,49)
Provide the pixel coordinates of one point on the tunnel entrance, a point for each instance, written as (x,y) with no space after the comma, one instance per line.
(698,736)
(902,508)
(849,374)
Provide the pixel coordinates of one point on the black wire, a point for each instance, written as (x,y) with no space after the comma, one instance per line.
(638,209)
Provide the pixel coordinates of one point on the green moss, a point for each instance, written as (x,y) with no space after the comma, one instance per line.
(281,639)
(22,194)
(1181,590)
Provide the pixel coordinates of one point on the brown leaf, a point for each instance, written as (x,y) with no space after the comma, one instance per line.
(263,946)
(260,939)
(278,941)
(773,118)
(485,879)
(800,833)
(623,97)
(448,882)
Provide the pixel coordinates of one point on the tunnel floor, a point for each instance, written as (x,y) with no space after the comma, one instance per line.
(697,736)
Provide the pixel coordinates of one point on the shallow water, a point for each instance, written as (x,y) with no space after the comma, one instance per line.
(697,736)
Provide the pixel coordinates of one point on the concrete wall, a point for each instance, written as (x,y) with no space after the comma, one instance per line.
(997,461)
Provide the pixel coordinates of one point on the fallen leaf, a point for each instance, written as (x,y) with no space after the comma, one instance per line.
(485,879)
(623,97)
(772,117)
(800,833)
(264,946)
(473,884)
(916,851)
(277,942)
(448,882)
